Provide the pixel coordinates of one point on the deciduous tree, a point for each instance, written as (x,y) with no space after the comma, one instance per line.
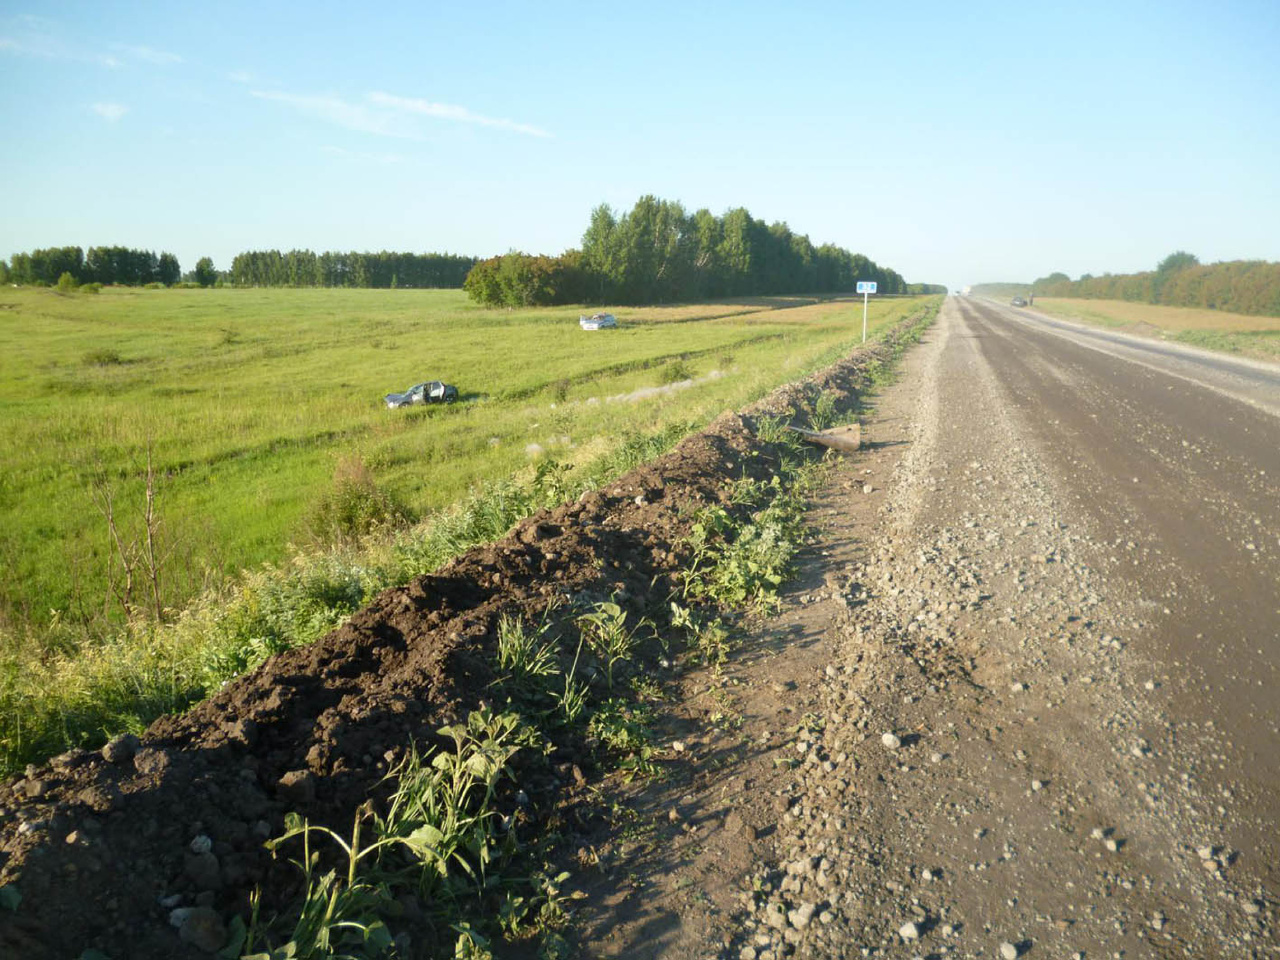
(206,275)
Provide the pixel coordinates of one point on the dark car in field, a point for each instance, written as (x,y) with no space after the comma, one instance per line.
(1019,302)
(433,391)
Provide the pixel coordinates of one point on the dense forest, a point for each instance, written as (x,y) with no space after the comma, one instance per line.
(1180,280)
(658,253)
(105,265)
(302,268)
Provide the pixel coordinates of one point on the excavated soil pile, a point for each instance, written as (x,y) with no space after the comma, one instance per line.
(99,843)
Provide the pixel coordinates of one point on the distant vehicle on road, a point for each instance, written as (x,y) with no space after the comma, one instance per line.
(598,321)
(1018,302)
(433,391)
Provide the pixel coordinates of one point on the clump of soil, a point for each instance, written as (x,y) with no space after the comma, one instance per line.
(100,843)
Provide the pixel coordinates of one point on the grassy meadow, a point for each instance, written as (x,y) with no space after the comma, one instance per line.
(1250,336)
(248,399)
(256,407)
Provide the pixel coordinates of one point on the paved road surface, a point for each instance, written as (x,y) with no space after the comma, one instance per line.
(1251,381)
(1180,449)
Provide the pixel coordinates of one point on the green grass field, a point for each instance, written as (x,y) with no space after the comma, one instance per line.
(253,403)
(247,400)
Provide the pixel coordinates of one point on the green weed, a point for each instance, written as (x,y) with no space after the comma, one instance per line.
(709,638)
(606,633)
(575,695)
(624,730)
(527,658)
(740,565)
(824,411)
(442,837)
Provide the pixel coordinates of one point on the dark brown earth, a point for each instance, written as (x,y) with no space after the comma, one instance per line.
(99,847)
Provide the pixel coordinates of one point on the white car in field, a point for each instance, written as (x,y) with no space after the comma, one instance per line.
(598,321)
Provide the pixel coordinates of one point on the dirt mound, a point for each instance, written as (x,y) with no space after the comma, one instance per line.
(100,844)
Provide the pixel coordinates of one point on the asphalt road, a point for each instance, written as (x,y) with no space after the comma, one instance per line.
(1176,453)
(1251,381)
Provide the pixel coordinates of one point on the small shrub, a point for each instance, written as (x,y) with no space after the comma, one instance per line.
(101,358)
(742,564)
(355,507)
(675,371)
(92,288)
(624,729)
(710,638)
(67,283)
(153,285)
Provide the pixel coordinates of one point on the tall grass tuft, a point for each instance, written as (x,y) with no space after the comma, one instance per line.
(355,507)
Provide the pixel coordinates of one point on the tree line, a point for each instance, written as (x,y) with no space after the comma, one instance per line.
(658,253)
(1179,280)
(106,265)
(304,268)
(124,266)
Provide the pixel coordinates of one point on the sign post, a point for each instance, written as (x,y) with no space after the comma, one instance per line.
(865,287)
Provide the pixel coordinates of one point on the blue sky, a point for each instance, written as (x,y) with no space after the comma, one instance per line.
(953,142)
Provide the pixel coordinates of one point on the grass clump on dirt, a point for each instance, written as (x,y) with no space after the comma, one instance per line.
(440,846)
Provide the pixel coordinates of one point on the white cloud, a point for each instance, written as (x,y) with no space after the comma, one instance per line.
(240,76)
(110,111)
(148,54)
(388,115)
(48,40)
(353,116)
(447,111)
